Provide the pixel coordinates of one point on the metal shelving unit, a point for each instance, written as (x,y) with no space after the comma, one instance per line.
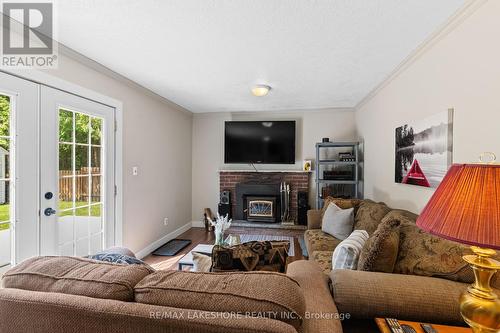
(334,162)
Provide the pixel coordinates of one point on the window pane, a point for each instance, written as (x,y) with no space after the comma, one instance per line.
(65,193)
(96,160)
(4,158)
(4,202)
(65,126)
(82,128)
(96,131)
(82,160)
(82,191)
(95,210)
(96,189)
(65,159)
(4,115)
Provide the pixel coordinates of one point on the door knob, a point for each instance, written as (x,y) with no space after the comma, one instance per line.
(49,211)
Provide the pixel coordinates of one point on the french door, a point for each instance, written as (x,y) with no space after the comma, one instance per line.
(18,174)
(57,164)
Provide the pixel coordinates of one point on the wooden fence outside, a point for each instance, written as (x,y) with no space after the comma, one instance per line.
(81,185)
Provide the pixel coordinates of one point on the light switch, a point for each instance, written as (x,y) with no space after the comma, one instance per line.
(135,171)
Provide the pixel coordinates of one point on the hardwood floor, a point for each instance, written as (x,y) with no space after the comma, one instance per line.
(200,236)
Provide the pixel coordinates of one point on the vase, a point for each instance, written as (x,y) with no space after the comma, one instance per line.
(219,238)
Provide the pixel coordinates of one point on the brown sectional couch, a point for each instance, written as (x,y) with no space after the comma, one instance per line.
(406,292)
(67,294)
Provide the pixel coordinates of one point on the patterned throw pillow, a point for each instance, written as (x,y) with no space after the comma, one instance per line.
(119,259)
(380,251)
(251,256)
(346,254)
(424,254)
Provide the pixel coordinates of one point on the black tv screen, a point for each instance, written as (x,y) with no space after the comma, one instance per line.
(270,142)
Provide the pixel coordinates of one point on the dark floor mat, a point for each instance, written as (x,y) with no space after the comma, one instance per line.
(172,247)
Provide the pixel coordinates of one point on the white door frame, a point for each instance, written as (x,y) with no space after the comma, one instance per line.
(39,77)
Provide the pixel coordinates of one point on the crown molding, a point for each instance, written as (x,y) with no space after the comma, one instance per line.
(469,8)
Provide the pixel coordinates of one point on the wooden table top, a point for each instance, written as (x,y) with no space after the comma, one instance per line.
(384,328)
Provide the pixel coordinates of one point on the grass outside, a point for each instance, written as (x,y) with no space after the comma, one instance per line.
(95,210)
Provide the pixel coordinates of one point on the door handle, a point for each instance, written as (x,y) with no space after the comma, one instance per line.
(49,211)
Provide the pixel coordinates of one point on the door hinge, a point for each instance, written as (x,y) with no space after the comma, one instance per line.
(116,126)
(116,190)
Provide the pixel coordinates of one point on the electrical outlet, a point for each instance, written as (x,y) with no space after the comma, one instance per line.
(165,221)
(135,171)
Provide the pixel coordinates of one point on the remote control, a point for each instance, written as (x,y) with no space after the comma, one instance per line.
(408,329)
(428,328)
(394,325)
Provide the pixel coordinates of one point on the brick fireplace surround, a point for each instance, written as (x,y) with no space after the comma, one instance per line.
(298,181)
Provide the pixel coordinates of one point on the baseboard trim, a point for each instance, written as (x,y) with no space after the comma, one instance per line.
(198,224)
(156,244)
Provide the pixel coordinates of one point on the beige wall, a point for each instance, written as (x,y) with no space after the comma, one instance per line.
(157,139)
(461,70)
(208,146)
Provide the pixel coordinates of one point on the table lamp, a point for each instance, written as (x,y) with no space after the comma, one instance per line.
(466,208)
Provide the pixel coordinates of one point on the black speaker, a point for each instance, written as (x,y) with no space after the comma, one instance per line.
(224,210)
(302,207)
(225,197)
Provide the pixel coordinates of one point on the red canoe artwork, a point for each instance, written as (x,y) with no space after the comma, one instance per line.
(416,176)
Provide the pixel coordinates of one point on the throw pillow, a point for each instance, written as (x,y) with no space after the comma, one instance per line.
(346,254)
(380,251)
(119,259)
(424,254)
(201,262)
(251,256)
(369,215)
(338,222)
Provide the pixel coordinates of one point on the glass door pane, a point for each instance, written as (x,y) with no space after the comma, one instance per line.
(80,222)
(6,194)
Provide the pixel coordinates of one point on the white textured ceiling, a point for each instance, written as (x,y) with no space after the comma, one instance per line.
(206,54)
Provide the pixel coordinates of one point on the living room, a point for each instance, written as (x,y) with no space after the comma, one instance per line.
(346,146)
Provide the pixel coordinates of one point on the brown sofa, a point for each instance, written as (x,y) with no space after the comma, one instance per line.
(368,294)
(67,294)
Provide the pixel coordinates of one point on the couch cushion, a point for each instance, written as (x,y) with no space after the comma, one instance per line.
(323,259)
(266,294)
(317,240)
(369,215)
(380,251)
(77,276)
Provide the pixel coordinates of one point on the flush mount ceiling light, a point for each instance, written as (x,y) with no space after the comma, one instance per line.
(260,90)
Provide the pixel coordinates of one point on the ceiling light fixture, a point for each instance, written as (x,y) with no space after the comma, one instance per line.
(260,90)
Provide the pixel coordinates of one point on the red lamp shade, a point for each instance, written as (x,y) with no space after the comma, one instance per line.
(466,206)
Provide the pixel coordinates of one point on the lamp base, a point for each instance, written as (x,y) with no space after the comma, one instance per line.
(479,305)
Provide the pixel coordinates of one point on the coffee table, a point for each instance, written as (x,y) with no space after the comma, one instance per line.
(187,259)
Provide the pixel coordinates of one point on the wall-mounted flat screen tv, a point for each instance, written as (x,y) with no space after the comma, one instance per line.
(269,142)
